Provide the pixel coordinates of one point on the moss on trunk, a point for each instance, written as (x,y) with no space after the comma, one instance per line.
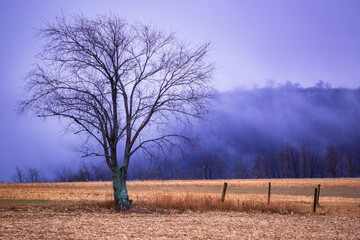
(121,197)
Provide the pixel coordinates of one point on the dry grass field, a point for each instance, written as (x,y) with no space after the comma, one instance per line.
(183,210)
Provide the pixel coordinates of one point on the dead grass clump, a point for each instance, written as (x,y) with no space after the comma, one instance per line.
(207,203)
(188,202)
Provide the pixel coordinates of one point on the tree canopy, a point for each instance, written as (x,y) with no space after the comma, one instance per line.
(120,83)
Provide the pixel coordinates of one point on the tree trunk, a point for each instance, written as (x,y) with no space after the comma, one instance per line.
(121,197)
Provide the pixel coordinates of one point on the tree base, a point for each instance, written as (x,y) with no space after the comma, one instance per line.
(126,205)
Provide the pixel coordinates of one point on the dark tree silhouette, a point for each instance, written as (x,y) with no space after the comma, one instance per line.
(33,174)
(333,159)
(18,176)
(64,173)
(121,85)
(211,165)
(29,174)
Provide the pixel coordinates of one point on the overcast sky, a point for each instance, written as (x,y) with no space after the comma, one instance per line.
(253,41)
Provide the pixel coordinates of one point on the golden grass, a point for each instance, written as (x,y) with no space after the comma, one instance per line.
(194,202)
(284,182)
(200,195)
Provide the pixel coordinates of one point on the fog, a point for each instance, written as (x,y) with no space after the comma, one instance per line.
(261,120)
(244,136)
(246,125)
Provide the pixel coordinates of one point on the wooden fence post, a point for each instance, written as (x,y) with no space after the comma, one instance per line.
(269,193)
(224,192)
(318,194)
(315,197)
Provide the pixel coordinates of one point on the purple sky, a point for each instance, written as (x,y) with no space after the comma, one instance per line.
(301,41)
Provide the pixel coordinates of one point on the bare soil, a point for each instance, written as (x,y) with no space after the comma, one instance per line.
(51,223)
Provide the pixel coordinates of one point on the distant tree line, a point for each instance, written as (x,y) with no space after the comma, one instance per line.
(85,172)
(292,162)
(64,173)
(28,174)
(289,162)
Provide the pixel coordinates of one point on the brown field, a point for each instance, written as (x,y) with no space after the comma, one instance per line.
(182,209)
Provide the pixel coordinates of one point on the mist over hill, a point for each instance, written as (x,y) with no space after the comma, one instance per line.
(263,120)
(284,131)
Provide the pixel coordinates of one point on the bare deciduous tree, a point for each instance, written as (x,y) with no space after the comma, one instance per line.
(333,159)
(211,166)
(84,173)
(33,174)
(241,169)
(19,175)
(29,174)
(64,173)
(100,172)
(120,84)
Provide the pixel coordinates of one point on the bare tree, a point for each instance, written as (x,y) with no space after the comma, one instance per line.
(241,169)
(285,162)
(351,170)
(19,175)
(211,165)
(294,160)
(33,174)
(265,167)
(29,174)
(64,173)
(333,159)
(100,172)
(310,163)
(120,84)
(289,162)
(305,159)
(83,174)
